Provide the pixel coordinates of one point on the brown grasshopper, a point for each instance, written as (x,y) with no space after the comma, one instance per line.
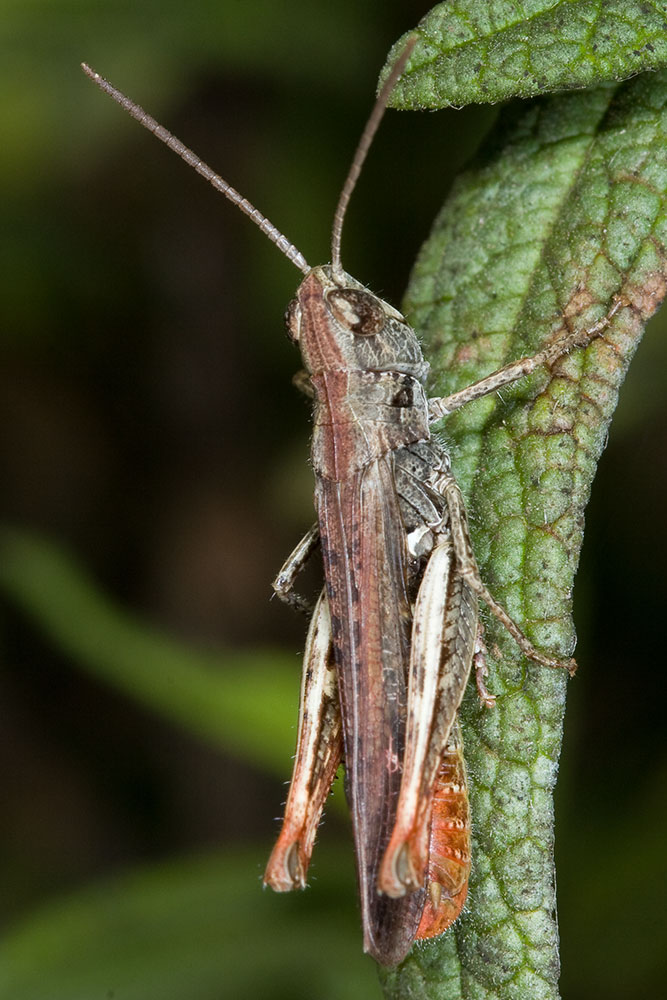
(395,631)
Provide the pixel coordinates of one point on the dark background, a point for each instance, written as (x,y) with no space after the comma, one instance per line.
(149,427)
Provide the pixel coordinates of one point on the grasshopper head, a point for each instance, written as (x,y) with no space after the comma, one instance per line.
(340,325)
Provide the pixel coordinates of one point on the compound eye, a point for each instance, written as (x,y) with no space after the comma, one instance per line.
(359,311)
(293,320)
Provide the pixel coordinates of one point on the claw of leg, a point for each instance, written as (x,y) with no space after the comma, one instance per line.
(286,869)
(403,870)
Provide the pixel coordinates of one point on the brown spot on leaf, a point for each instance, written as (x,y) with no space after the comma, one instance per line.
(579,302)
(646,298)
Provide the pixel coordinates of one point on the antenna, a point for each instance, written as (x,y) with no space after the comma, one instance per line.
(202,168)
(360,154)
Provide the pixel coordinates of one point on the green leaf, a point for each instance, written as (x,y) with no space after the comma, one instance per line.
(472,52)
(245,703)
(193,930)
(564,209)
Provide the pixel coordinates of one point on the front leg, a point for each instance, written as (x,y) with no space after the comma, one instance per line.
(283,585)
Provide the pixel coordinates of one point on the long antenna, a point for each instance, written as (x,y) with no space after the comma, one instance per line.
(202,168)
(361,152)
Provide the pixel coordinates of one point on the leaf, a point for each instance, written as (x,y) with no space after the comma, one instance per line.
(472,52)
(564,209)
(190,930)
(212,696)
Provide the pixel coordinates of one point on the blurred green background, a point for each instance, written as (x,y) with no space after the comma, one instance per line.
(154,475)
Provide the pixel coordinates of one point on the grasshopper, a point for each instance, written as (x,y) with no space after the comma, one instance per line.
(395,632)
